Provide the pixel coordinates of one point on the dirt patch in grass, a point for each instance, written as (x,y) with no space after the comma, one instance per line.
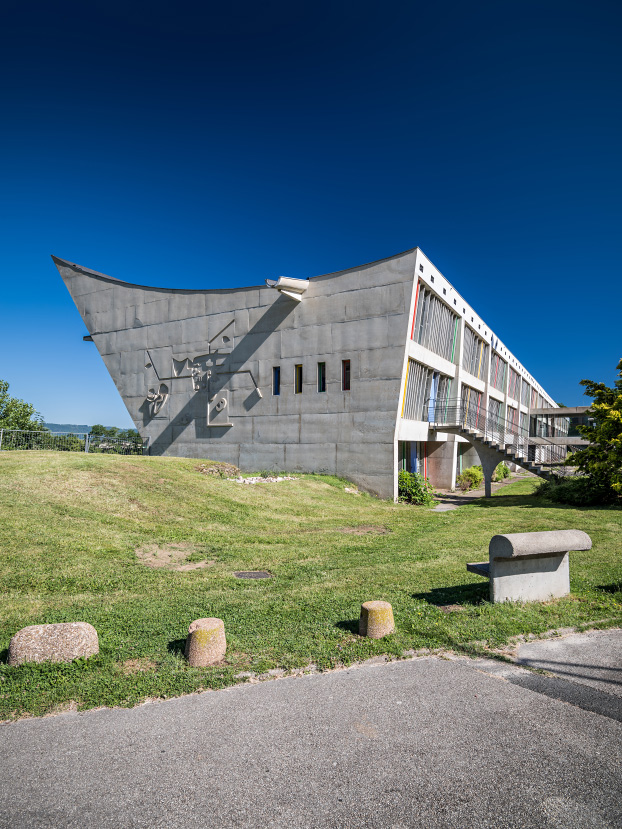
(137,666)
(172,556)
(63,708)
(365,529)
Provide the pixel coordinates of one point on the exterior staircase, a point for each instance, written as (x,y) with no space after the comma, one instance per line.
(506,452)
(492,434)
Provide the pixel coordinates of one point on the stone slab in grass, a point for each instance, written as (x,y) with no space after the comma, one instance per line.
(62,642)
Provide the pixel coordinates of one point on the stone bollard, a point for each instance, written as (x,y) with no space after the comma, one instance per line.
(206,643)
(62,642)
(376,620)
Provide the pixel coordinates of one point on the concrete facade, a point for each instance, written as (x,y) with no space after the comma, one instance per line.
(196,368)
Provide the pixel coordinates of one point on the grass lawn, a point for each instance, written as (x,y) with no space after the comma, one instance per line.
(71,526)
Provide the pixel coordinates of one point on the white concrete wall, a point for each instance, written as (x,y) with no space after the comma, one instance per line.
(409,430)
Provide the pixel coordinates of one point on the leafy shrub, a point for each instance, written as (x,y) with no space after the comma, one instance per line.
(414,488)
(502,471)
(577,491)
(470,478)
(601,459)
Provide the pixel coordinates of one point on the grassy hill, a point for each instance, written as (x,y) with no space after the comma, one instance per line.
(75,429)
(79,535)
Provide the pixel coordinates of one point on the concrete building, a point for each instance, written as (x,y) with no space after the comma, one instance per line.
(341,373)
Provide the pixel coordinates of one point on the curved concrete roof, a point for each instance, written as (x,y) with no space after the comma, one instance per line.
(105,278)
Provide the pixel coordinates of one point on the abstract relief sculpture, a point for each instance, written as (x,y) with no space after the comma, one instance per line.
(157,399)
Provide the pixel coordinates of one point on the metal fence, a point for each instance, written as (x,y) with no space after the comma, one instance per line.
(71,442)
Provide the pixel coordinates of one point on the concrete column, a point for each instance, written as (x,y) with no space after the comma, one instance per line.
(441,463)
(454,462)
(489,459)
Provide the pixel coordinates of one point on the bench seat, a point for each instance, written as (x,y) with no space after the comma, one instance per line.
(530,567)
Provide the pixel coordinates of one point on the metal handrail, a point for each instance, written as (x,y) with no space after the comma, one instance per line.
(488,426)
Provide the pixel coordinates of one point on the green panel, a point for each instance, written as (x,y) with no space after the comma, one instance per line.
(453,348)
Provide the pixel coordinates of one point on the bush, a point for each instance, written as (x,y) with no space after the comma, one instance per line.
(414,488)
(470,478)
(577,491)
(601,459)
(502,471)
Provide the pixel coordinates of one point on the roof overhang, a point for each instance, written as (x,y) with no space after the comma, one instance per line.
(293,288)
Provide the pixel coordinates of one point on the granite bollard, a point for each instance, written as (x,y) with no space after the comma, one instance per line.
(206,643)
(376,620)
(61,642)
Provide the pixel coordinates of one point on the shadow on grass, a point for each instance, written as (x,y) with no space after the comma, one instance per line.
(616,587)
(351,625)
(177,647)
(4,654)
(531,502)
(458,594)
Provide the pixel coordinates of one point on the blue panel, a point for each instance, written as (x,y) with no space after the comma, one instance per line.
(413,457)
(433,393)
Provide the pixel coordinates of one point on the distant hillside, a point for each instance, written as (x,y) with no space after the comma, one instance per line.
(68,427)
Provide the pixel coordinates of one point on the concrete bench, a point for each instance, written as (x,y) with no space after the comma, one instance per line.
(530,567)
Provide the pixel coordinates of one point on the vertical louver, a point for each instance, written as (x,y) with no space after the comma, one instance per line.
(514,385)
(474,354)
(498,369)
(427,392)
(524,394)
(435,326)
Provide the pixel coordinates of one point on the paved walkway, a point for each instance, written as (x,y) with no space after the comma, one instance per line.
(428,742)
(452,499)
(593,659)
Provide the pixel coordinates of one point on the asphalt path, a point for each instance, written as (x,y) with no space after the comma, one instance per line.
(427,742)
(593,658)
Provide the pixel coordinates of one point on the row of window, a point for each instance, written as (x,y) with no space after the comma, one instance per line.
(434,326)
(427,392)
(514,384)
(497,372)
(474,354)
(321,378)
(517,387)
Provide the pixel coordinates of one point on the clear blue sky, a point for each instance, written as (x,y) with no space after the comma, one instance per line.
(201,145)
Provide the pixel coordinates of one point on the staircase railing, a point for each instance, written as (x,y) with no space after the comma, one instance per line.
(489,426)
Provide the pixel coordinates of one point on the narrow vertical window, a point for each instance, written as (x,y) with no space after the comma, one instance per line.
(276,380)
(345,375)
(321,377)
(298,379)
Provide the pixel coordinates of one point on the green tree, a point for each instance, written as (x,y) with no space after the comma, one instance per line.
(113,432)
(103,431)
(601,461)
(16,414)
